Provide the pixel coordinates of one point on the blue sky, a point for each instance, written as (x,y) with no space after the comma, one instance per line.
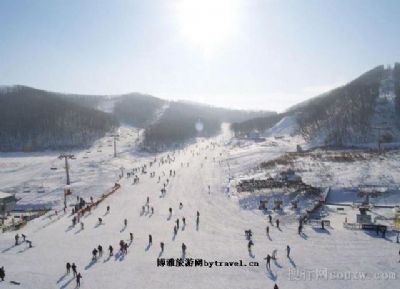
(255,54)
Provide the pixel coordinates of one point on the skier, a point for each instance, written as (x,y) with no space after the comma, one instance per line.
(288,251)
(2,273)
(183,248)
(131,237)
(322,225)
(78,280)
(270,219)
(23,237)
(94,253)
(108,209)
(249,245)
(73,266)
(111,250)
(100,249)
(100,221)
(180,205)
(177,224)
(277,223)
(148,200)
(152,210)
(300,229)
(16,239)
(170,211)
(276,286)
(68,268)
(184,221)
(162,246)
(175,230)
(268,258)
(267,229)
(150,239)
(125,222)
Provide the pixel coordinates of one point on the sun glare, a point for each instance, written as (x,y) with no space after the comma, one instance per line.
(207,23)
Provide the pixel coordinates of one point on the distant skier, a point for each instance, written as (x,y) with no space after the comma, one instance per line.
(150,240)
(78,280)
(274,253)
(300,229)
(276,286)
(2,273)
(267,229)
(268,258)
(108,209)
(125,222)
(16,239)
(23,237)
(180,205)
(270,219)
(162,246)
(94,253)
(183,248)
(184,221)
(111,250)
(68,268)
(250,244)
(82,226)
(100,249)
(148,200)
(100,221)
(277,223)
(288,251)
(175,230)
(131,237)
(73,267)
(170,211)
(177,223)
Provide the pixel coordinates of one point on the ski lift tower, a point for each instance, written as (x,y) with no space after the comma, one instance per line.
(66,157)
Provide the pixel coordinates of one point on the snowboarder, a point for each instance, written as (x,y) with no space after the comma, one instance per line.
(100,249)
(111,250)
(78,280)
(288,251)
(16,239)
(162,246)
(68,268)
(150,239)
(73,267)
(2,273)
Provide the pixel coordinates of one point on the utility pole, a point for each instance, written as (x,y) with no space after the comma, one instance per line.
(66,157)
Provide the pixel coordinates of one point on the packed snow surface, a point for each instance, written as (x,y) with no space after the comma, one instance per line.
(319,259)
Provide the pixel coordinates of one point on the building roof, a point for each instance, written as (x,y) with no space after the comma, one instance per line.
(5,195)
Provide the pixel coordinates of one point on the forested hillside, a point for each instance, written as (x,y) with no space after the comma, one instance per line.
(33,119)
(342,115)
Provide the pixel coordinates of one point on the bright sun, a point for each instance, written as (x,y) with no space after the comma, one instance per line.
(207,23)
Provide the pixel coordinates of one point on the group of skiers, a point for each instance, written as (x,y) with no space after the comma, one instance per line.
(75,273)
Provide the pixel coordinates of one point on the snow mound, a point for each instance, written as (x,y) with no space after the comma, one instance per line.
(286,126)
